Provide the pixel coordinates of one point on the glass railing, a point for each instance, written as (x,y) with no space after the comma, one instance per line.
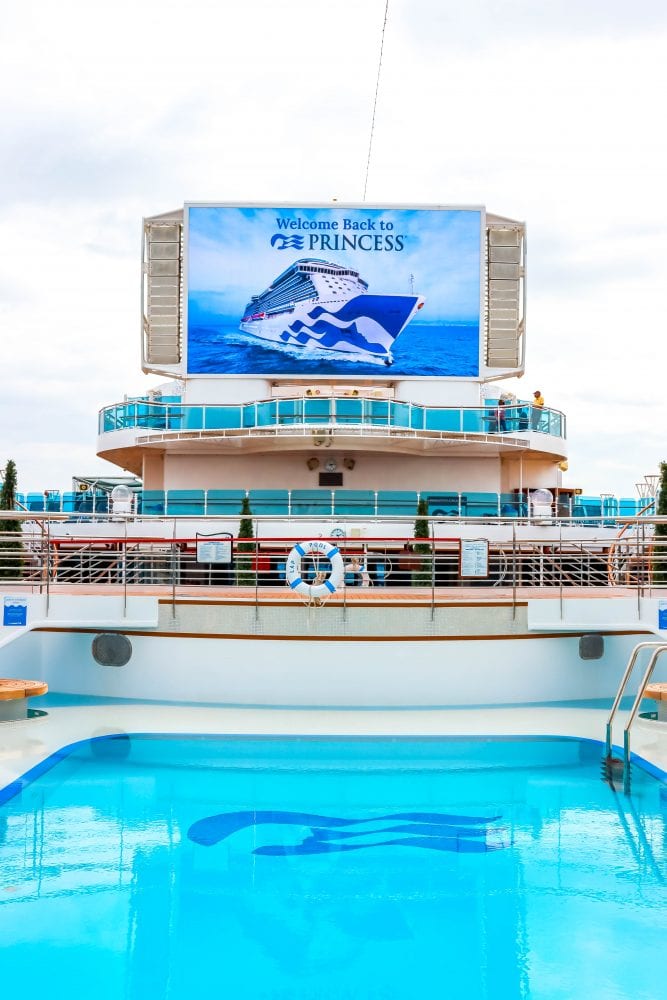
(306,412)
(342,503)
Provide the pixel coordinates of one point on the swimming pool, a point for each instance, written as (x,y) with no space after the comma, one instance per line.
(173,867)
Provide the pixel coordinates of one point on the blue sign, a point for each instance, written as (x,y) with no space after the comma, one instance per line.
(339,291)
(15,611)
(662,615)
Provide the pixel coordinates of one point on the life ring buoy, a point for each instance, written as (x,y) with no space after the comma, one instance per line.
(293,569)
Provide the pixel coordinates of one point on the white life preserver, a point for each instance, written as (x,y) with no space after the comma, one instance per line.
(293,569)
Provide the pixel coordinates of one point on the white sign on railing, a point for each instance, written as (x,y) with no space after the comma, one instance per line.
(214,550)
(473,557)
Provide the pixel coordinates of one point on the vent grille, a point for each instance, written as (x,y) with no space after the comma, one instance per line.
(162,293)
(505,278)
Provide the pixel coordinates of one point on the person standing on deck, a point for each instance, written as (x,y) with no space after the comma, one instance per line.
(538,406)
(501,423)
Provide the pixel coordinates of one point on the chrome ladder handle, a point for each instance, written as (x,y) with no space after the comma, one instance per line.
(652,644)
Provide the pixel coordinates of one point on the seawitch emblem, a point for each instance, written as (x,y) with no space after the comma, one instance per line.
(282,242)
(327,834)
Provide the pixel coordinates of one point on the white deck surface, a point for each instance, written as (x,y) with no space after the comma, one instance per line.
(24,744)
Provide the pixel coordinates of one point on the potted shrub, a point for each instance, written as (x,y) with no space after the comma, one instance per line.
(422,575)
(245,576)
(11,546)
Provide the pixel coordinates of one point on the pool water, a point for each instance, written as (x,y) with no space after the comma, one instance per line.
(170,867)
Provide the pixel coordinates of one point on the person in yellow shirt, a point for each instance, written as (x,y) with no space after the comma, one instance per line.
(538,406)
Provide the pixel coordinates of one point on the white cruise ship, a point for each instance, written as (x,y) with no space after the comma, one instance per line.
(318,307)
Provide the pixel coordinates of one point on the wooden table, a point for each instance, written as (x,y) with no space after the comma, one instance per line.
(14,695)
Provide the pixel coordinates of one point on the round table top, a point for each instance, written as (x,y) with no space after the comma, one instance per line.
(11,688)
(656,691)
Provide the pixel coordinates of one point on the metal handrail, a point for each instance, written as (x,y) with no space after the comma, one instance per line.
(651,644)
(659,648)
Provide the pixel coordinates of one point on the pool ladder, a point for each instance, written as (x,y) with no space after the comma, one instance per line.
(611,765)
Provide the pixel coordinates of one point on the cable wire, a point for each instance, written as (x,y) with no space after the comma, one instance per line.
(375,102)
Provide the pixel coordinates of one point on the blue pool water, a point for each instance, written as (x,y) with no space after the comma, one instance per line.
(164,867)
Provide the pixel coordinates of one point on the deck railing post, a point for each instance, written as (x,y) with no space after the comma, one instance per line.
(560,568)
(124,564)
(432,570)
(173,572)
(256,571)
(48,566)
(513,571)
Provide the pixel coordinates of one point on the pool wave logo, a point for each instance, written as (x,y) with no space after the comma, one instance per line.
(332,834)
(282,242)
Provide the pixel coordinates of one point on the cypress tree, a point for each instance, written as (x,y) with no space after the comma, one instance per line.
(244,575)
(10,547)
(422,576)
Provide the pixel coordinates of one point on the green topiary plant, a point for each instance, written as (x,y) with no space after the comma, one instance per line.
(422,576)
(244,573)
(11,548)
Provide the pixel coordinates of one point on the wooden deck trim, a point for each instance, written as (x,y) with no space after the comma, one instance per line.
(244,636)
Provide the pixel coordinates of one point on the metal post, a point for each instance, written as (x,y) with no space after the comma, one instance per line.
(640,569)
(560,568)
(513,571)
(344,583)
(256,572)
(48,566)
(124,564)
(432,571)
(173,572)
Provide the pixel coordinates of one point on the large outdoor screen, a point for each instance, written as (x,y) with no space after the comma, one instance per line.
(333,292)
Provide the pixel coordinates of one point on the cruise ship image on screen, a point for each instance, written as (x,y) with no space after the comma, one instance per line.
(316,307)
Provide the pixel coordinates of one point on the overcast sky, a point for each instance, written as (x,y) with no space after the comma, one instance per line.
(550,112)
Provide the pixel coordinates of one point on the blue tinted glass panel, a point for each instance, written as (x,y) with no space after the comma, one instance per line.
(269,501)
(266,414)
(512,505)
(35,501)
(377,411)
(224,501)
(249,415)
(477,421)
(311,501)
(151,502)
(400,414)
(482,505)
(441,503)
(591,505)
(351,502)
(417,418)
(181,502)
(395,503)
(443,420)
(316,411)
(628,507)
(348,411)
(193,418)
(174,420)
(221,417)
(290,411)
